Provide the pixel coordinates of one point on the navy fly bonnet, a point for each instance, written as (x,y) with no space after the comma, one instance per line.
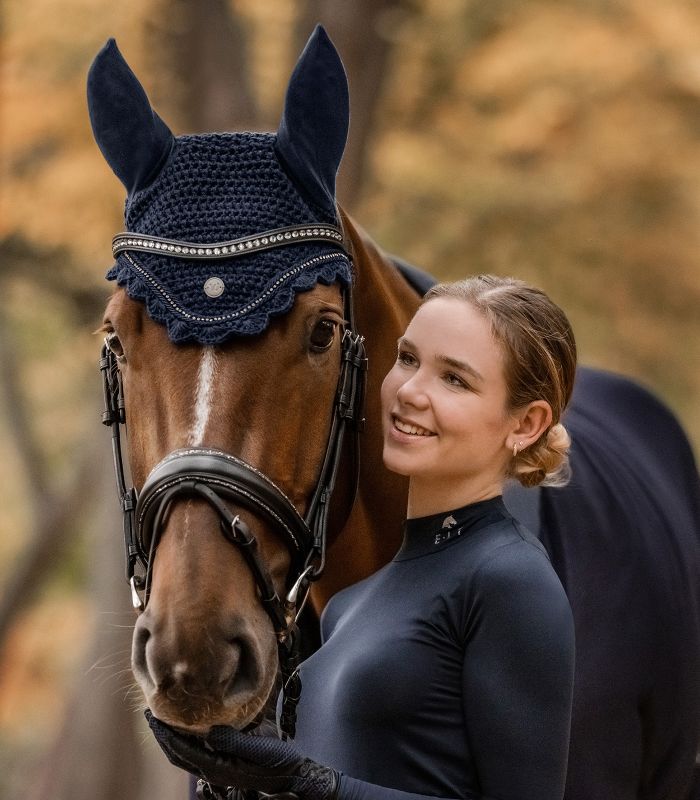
(223,229)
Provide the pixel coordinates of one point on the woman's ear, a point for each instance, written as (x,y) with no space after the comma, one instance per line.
(531,422)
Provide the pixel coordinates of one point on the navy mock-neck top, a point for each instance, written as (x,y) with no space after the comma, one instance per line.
(448,673)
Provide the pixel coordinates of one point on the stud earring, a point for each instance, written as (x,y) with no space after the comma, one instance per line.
(516,448)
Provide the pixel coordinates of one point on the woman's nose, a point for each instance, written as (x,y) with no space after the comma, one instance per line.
(413,392)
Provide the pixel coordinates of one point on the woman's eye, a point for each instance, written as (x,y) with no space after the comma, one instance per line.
(322,335)
(455,380)
(113,343)
(406,358)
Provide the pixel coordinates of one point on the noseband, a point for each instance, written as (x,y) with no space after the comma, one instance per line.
(219,478)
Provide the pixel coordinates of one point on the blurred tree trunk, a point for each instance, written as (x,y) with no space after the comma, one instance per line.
(362,32)
(199,65)
(52,534)
(53,520)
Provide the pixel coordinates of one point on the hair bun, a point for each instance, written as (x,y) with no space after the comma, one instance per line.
(558,439)
(546,462)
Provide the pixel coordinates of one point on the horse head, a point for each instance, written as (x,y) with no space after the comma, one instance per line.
(229,355)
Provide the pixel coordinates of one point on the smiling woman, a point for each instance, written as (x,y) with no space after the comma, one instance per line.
(447,424)
(482,377)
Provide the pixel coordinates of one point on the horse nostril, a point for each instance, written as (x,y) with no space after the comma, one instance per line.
(242,667)
(138,654)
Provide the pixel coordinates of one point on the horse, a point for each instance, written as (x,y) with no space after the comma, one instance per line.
(235,354)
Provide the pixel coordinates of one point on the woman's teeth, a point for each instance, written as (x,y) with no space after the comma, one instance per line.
(413,430)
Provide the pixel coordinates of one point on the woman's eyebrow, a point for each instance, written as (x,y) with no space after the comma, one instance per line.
(454,363)
(459,365)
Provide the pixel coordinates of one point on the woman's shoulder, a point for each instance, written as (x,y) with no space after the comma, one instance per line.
(514,587)
(513,556)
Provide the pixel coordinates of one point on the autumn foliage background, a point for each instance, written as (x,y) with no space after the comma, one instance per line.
(558,141)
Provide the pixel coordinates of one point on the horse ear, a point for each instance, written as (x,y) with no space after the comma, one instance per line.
(133,139)
(314,126)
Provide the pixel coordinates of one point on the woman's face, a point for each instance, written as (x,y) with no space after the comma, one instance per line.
(444,401)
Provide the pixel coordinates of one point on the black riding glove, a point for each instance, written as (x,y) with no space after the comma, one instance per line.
(228,757)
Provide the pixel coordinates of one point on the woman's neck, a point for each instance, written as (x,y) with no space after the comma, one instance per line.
(427,498)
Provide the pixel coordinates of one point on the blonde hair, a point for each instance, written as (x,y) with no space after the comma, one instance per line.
(540,363)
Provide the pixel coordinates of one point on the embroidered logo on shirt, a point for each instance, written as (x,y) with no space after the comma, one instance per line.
(447,533)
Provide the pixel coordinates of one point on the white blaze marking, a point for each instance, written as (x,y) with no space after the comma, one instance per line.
(205,391)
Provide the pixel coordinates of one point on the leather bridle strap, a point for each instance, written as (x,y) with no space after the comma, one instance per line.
(349,410)
(216,476)
(233,479)
(114,415)
(235,531)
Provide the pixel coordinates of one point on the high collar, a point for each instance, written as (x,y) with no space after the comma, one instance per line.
(423,535)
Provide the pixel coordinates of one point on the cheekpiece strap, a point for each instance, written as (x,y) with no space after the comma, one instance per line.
(267,240)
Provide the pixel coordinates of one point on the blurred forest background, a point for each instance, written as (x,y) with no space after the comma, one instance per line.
(556,140)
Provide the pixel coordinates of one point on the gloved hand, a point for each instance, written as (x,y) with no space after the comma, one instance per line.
(228,757)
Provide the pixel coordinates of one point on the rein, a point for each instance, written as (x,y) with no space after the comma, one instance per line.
(217,477)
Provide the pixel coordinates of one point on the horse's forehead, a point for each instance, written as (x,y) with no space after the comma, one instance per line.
(216,188)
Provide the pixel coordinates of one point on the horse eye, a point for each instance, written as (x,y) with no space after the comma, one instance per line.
(112,341)
(322,335)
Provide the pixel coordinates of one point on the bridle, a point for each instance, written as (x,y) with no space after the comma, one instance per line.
(217,477)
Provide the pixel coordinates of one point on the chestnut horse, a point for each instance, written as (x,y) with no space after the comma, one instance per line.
(623,536)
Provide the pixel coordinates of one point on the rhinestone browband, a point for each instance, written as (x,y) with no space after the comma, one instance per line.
(236,247)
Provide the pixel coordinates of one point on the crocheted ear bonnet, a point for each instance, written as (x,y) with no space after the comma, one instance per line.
(223,229)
